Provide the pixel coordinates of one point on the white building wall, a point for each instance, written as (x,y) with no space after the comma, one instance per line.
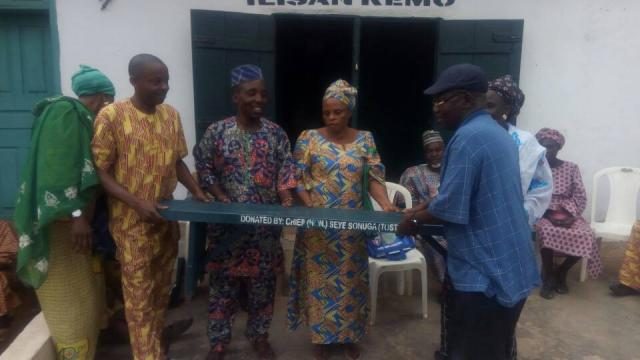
(579,62)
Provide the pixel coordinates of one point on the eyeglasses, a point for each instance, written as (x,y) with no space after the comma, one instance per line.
(441,102)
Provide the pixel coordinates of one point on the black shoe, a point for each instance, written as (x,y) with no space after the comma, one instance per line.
(620,290)
(547,290)
(439,355)
(561,284)
(173,331)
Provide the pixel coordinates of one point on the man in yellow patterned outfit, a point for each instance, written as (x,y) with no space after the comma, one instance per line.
(138,149)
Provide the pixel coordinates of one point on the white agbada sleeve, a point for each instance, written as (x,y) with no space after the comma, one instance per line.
(535,174)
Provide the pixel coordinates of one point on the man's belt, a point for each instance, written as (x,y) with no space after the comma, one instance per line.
(276,215)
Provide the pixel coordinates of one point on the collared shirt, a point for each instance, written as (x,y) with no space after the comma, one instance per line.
(480,199)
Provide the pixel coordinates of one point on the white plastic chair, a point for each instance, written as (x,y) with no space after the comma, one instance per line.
(624,185)
(414,261)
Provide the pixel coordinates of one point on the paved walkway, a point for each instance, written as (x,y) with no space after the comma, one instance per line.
(586,324)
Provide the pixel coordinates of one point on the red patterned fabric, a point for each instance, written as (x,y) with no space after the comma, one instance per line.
(8,249)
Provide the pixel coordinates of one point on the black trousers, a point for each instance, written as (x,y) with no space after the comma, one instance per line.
(475,327)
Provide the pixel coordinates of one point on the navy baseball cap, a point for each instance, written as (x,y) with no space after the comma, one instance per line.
(460,77)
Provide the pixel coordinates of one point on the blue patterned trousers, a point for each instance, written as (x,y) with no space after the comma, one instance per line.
(225,296)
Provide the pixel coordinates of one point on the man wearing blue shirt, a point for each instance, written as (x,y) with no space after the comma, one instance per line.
(491,263)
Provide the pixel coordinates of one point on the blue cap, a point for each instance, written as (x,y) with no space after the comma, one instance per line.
(460,77)
(245,73)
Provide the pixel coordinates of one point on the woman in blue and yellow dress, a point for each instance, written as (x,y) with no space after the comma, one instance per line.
(329,276)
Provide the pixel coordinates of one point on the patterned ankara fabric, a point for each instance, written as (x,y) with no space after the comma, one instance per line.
(329,275)
(70,298)
(423,183)
(58,178)
(342,91)
(578,240)
(8,247)
(146,289)
(508,89)
(480,200)
(224,294)
(251,167)
(245,73)
(142,150)
(630,270)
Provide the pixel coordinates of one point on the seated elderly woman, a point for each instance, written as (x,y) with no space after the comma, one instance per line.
(423,182)
(563,230)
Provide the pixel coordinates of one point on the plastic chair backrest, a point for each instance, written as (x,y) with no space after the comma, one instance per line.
(624,185)
(392,190)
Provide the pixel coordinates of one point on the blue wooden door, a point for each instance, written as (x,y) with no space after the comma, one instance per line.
(26,76)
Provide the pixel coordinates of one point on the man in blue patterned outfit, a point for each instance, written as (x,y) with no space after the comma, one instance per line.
(244,159)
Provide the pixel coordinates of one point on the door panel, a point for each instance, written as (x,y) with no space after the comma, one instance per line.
(495,45)
(25,78)
(222,41)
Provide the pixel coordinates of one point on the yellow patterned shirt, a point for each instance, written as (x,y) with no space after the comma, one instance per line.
(140,150)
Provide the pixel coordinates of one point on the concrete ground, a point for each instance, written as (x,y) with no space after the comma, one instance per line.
(586,324)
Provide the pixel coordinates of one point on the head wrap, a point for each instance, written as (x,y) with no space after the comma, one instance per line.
(90,81)
(245,73)
(551,134)
(510,92)
(430,137)
(343,92)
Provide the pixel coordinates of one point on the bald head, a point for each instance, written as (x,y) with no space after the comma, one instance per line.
(150,79)
(140,61)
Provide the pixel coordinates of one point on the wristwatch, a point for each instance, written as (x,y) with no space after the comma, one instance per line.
(76,213)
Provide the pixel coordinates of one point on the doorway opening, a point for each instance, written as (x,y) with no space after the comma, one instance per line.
(311,52)
(396,65)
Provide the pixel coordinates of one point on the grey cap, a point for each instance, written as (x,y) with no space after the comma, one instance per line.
(460,77)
